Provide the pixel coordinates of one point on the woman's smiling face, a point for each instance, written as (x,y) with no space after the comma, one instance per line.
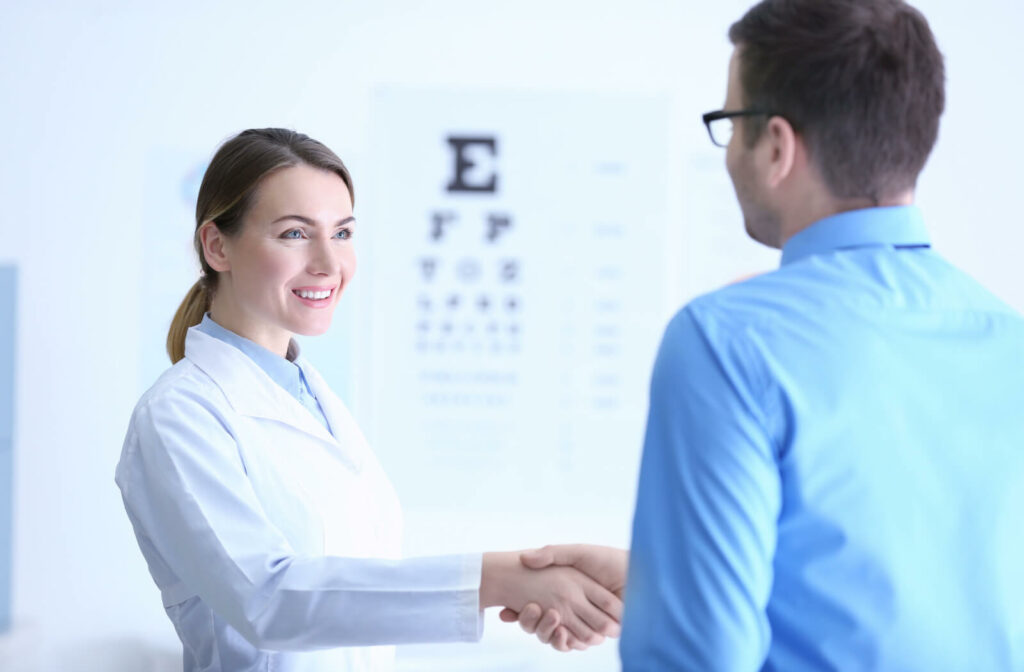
(284,272)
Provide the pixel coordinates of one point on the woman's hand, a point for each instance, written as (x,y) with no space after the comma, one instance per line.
(584,608)
(606,565)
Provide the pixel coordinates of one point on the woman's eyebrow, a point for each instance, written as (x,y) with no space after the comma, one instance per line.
(310,222)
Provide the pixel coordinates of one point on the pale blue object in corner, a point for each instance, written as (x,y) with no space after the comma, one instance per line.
(8,293)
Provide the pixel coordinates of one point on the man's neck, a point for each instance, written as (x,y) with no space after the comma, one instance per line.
(817,209)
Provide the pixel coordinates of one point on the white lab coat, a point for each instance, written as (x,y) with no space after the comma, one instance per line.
(272,542)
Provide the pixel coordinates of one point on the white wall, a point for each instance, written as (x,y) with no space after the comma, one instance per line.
(92,92)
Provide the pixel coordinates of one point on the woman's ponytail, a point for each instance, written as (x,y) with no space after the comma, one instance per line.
(190,313)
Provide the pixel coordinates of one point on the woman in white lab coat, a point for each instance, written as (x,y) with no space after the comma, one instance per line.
(267,523)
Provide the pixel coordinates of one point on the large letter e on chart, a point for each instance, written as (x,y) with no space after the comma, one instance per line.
(464,163)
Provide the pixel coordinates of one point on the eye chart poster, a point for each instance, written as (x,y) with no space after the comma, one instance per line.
(515,248)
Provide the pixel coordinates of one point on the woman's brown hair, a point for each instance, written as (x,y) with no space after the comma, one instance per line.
(225,196)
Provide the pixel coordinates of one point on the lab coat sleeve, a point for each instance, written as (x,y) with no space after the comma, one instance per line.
(704,534)
(186,491)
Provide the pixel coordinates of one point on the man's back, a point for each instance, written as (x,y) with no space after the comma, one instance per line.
(842,444)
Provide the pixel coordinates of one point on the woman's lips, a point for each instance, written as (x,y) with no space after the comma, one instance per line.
(315,297)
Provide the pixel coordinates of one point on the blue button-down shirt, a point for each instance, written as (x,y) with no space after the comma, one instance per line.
(286,372)
(833,471)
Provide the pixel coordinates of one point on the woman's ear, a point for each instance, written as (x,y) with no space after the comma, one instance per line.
(213,251)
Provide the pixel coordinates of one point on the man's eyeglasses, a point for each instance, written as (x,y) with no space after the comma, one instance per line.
(720,124)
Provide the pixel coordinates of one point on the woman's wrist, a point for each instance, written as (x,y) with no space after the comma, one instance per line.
(496,573)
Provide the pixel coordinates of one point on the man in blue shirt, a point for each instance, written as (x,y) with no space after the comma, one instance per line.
(833,470)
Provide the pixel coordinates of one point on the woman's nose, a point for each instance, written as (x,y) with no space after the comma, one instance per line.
(330,257)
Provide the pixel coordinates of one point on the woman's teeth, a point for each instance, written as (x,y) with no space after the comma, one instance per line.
(312,295)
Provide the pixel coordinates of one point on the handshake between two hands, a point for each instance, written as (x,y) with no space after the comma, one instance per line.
(570,596)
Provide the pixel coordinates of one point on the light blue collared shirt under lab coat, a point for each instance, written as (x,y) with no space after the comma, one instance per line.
(285,371)
(833,472)
(275,544)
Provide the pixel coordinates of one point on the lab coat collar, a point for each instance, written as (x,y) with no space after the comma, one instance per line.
(282,370)
(249,389)
(340,424)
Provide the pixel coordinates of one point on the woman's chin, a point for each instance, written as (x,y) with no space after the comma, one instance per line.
(312,328)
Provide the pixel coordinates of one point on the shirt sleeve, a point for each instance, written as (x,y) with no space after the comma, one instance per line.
(195,512)
(704,530)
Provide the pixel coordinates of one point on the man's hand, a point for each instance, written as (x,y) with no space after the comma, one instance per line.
(606,565)
(583,607)
(545,624)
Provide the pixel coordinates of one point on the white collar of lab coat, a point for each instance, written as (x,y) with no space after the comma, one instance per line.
(249,389)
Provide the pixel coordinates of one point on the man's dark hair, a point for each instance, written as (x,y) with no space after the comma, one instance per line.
(862,80)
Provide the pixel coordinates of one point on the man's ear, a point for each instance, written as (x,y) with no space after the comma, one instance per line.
(212,241)
(782,151)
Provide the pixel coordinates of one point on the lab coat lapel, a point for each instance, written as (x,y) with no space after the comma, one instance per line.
(342,424)
(248,388)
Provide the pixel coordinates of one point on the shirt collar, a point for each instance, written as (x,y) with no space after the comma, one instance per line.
(250,390)
(896,225)
(284,372)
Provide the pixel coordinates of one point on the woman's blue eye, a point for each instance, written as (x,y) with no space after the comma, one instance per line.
(293,234)
(344,234)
